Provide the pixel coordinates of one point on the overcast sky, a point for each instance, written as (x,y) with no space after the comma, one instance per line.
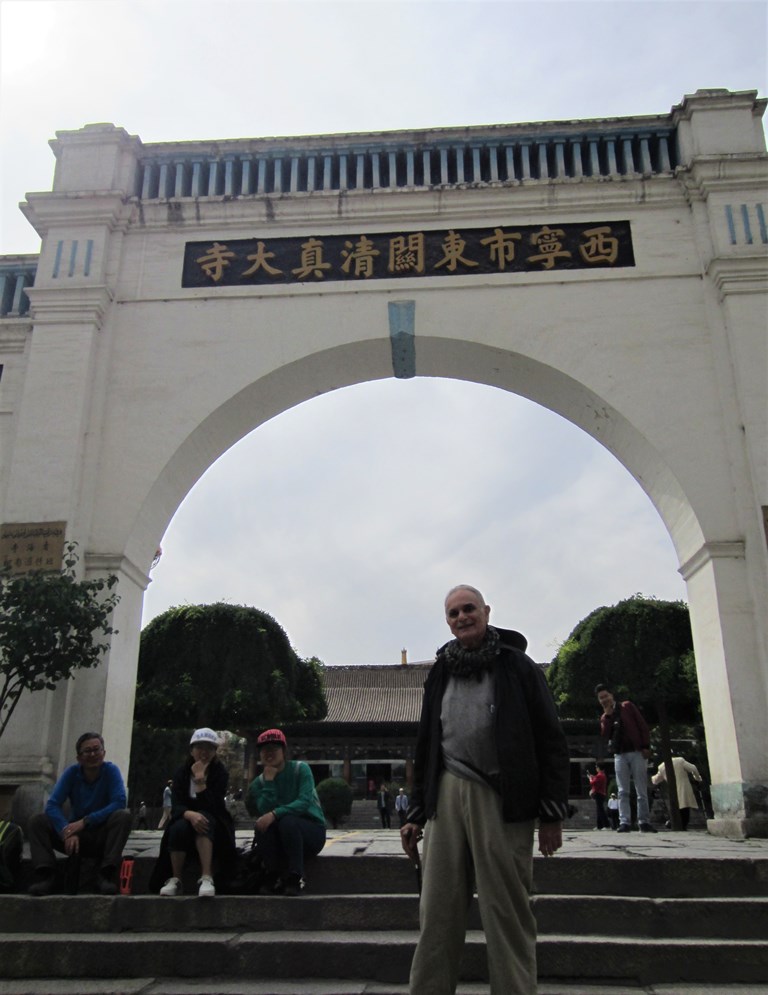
(348,517)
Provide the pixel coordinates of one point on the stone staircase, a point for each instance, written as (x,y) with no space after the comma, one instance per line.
(365,815)
(601,921)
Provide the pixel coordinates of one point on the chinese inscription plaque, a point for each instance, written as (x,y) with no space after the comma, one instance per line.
(393,255)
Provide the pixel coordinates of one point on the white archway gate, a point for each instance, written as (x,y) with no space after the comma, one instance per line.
(613,271)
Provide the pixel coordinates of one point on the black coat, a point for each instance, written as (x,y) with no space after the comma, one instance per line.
(532,749)
(211,801)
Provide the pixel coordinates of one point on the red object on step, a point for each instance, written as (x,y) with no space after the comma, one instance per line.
(126,876)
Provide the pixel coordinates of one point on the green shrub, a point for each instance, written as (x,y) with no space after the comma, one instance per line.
(336,798)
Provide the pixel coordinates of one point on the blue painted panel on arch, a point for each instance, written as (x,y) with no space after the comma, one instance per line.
(402,337)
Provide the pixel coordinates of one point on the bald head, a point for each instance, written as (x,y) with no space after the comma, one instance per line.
(465,587)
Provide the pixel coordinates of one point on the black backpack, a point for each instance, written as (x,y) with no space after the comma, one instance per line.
(11,842)
(249,873)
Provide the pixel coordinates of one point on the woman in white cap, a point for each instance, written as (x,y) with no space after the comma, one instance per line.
(290,824)
(200,822)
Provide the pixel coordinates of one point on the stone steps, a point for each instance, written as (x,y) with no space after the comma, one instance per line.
(661,877)
(616,920)
(333,986)
(377,955)
(641,940)
(610,915)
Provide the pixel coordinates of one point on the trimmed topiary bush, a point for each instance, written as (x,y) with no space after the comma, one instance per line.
(336,798)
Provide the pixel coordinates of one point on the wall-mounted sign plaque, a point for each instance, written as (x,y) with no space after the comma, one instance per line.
(32,546)
(393,255)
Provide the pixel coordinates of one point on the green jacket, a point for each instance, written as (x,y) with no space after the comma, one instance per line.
(291,793)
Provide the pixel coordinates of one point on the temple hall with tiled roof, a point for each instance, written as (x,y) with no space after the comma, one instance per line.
(369,732)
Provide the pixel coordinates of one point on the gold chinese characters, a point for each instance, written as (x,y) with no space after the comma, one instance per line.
(373,256)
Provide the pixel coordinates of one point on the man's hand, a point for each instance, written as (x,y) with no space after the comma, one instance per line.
(263,822)
(69,835)
(550,837)
(410,834)
(71,845)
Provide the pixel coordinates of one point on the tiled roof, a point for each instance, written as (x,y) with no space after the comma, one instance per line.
(383,693)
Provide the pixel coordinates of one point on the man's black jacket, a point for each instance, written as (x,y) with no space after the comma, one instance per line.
(531,745)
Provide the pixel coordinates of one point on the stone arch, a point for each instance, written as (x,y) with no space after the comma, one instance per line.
(277,392)
(538,382)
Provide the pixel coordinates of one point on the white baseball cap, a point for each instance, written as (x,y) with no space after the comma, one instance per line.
(205,735)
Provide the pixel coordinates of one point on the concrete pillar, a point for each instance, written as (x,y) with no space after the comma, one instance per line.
(709,122)
(102,699)
(55,456)
(732,684)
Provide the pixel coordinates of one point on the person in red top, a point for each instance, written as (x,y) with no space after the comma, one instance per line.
(598,785)
(629,739)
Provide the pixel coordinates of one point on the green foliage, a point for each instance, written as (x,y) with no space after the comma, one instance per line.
(155,756)
(336,798)
(309,689)
(641,647)
(49,628)
(224,666)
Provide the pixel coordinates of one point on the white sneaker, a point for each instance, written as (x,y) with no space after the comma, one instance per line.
(171,888)
(207,889)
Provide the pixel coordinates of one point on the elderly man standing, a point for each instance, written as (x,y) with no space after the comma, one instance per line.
(490,759)
(98,823)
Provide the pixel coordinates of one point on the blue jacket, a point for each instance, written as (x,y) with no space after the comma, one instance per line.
(96,799)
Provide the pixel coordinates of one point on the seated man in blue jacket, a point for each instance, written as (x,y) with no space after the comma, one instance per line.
(97,825)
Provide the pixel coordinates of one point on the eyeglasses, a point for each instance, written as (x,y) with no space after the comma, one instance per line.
(468,609)
(90,751)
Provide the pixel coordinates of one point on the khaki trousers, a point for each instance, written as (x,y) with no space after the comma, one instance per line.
(469,840)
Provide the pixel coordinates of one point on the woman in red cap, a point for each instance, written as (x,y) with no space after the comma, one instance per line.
(290,823)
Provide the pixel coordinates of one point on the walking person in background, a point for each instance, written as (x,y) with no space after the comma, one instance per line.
(167,802)
(613,810)
(597,789)
(686,799)
(491,759)
(142,822)
(383,803)
(401,806)
(629,740)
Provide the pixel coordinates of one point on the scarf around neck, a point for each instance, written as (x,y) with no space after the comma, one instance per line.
(462,662)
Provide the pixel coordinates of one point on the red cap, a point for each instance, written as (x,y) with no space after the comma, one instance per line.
(271,736)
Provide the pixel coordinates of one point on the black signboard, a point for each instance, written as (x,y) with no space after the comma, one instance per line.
(392,255)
